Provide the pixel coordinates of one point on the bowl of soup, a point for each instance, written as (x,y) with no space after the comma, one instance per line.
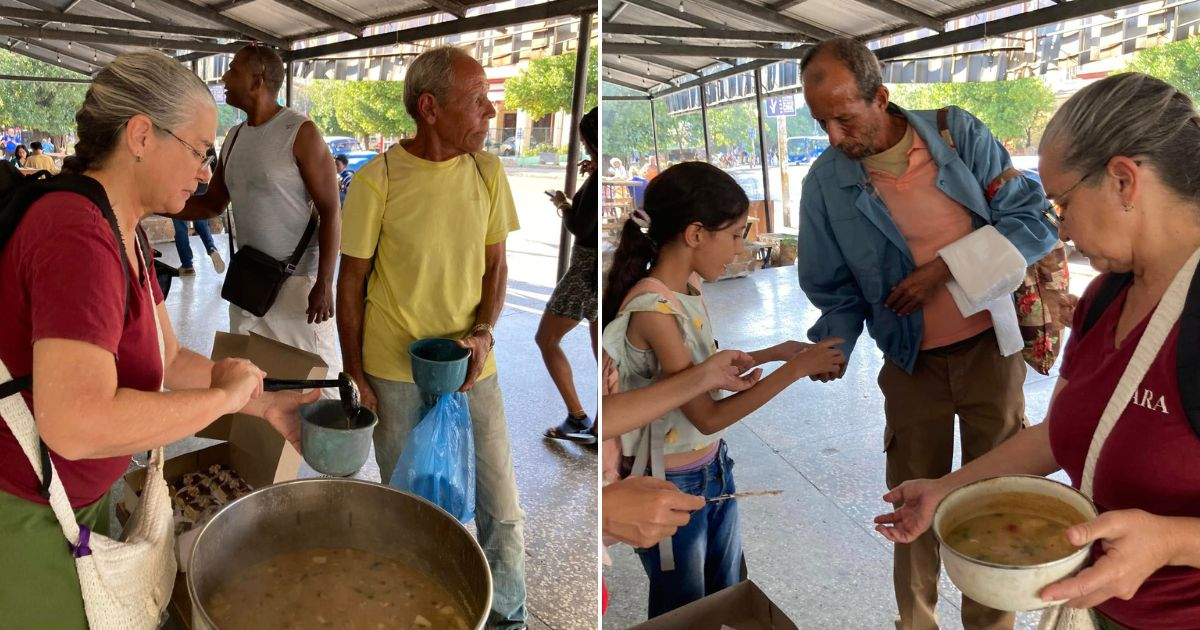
(1004,539)
(336,553)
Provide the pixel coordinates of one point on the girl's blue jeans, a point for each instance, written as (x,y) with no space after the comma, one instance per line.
(708,550)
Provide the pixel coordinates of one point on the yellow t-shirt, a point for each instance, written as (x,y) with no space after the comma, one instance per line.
(426,224)
(40,161)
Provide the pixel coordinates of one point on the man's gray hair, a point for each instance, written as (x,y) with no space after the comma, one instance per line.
(857,58)
(1130,114)
(431,72)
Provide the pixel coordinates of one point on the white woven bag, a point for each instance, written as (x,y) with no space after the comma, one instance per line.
(1161,322)
(126,584)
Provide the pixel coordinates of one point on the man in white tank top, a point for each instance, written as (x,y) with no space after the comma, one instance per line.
(271,168)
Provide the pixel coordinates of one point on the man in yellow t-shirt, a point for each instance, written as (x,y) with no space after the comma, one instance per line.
(423,238)
(39,160)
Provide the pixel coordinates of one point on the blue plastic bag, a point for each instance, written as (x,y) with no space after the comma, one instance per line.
(438,460)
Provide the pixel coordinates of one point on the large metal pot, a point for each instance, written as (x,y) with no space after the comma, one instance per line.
(310,513)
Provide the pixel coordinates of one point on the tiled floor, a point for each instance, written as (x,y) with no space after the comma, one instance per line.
(557,481)
(812,549)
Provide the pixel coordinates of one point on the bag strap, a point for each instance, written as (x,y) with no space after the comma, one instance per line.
(290,265)
(19,417)
(229,211)
(1109,289)
(993,187)
(1168,311)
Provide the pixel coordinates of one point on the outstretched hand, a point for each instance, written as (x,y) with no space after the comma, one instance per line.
(915,502)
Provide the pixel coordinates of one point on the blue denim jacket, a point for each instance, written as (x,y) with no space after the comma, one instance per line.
(851,254)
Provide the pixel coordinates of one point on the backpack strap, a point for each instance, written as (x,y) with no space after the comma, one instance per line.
(1110,287)
(23,199)
(993,187)
(1187,364)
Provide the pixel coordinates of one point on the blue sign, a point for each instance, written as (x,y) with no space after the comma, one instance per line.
(779,106)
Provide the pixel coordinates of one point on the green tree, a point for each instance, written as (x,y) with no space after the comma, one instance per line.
(546,85)
(360,108)
(1014,110)
(38,105)
(625,129)
(1177,63)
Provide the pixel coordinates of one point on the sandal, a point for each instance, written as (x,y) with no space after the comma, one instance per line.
(573,430)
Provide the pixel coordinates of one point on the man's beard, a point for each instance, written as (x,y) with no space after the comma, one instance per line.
(866,148)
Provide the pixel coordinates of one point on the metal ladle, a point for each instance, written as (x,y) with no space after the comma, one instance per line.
(347,389)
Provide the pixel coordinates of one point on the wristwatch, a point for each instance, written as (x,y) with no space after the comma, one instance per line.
(490,331)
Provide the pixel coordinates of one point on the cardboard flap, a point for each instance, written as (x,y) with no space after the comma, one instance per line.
(259,454)
(742,607)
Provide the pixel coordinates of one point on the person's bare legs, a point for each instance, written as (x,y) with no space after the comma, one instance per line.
(549,336)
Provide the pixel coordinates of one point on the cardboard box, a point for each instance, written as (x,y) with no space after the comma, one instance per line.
(740,607)
(251,446)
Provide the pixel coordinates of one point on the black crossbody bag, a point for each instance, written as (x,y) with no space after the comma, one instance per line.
(254,278)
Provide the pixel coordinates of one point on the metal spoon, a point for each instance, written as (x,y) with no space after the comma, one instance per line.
(347,389)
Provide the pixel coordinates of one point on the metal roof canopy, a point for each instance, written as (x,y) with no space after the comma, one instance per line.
(689,41)
(83,35)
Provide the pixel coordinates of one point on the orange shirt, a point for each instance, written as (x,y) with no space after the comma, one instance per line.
(929,220)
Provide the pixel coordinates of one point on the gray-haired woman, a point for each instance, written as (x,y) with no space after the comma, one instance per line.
(89,339)
(1118,161)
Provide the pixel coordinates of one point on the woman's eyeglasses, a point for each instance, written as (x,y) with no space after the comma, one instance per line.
(206,159)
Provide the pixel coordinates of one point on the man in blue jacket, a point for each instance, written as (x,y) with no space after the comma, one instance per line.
(897,222)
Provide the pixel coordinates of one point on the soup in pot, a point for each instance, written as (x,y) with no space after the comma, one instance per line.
(333,588)
(1015,528)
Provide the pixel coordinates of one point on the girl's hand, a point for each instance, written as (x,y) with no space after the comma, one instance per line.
(724,370)
(818,358)
(789,349)
(282,411)
(559,198)
(915,502)
(1135,543)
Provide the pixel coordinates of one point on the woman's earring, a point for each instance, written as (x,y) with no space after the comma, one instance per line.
(1128,207)
(137,158)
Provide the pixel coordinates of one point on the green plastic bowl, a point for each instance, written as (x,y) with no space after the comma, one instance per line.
(439,365)
(333,446)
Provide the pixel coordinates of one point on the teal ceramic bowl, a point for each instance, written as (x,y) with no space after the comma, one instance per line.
(439,366)
(333,446)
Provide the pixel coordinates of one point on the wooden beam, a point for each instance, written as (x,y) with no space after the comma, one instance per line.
(675,14)
(457,9)
(321,15)
(746,67)
(231,4)
(23,32)
(667,64)
(684,32)
(616,12)
(212,16)
(17,77)
(125,25)
(703,51)
(784,5)
(635,73)
(530,13)
(50,60)
(623,83)
(769,18)
(1013,23)
(69,53)
(906,13)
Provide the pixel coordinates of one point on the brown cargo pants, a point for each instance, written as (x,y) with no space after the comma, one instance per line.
(968,379)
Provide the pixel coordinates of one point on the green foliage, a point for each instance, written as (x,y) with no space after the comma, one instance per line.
(1177,63)
(1014,110)
(625,128)
(48,107)
(359,108)
(732,126)
(546,85)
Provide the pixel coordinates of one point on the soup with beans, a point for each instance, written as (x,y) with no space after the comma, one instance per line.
(1015,528)
(333,588)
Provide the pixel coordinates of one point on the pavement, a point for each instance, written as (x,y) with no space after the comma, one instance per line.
(813,549)
(557,481)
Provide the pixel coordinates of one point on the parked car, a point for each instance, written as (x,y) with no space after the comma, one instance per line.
(342,144)
(358,158)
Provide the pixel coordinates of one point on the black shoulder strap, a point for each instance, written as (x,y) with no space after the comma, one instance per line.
(94,192)
(1187,359)
(228,153)
(1111,286)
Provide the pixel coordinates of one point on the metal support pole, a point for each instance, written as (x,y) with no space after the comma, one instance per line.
(762,150)
(577,103)
(704,122)
(287,83)
(654,131)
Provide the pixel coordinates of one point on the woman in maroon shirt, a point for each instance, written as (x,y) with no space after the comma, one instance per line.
(90,344)
(1118,161)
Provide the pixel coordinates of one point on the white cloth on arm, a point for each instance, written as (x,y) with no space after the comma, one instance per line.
(986,269)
